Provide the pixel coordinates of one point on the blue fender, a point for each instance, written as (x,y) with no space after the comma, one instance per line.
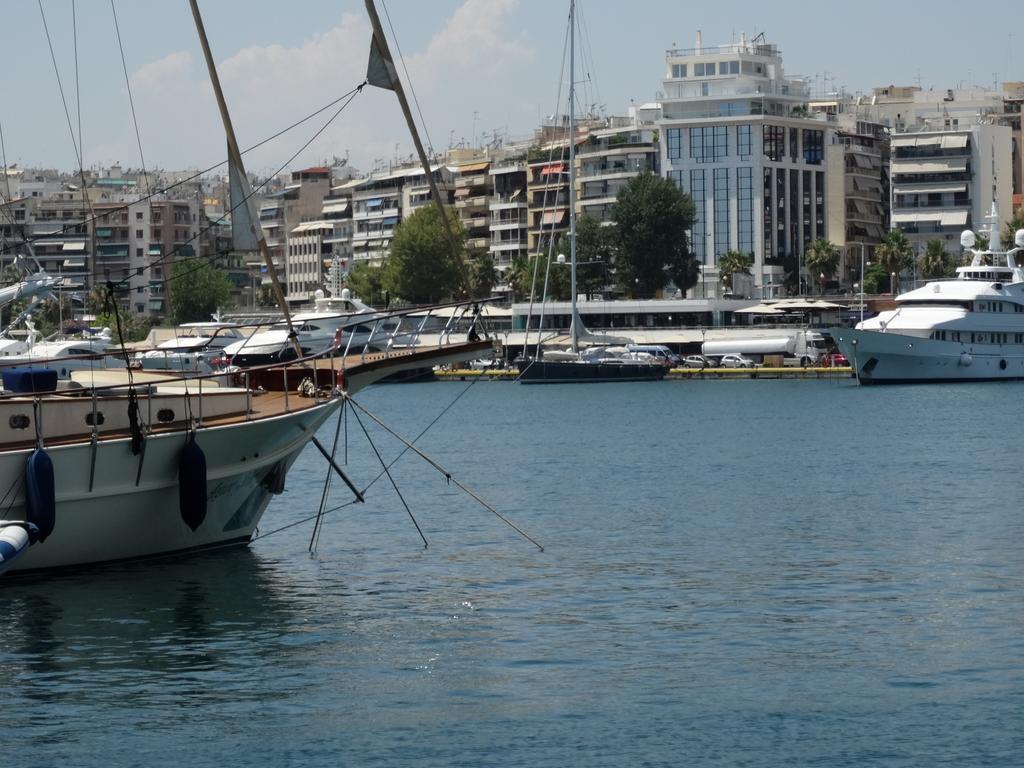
(40,496)
(192,483)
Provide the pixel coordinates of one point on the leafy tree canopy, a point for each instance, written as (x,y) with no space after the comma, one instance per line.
(366,282)
(734,263)
(483,275)
(822,258)
(895,255)
(652,217)
(936,261)
(426,265)
(198,289)
(595,254)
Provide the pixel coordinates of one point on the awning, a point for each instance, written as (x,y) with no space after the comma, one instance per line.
(954,142)
(462,192)
(932,166)
(921,189)
(552,169)
(916,218)
(335,206)
(155,250)
(376,202)
(74,263)
(553,217)
(916,141)
(390,221)
(103,232)
(73,247)
(954,219)
(472,168)
(760,309)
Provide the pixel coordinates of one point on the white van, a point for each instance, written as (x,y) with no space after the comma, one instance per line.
(659,351)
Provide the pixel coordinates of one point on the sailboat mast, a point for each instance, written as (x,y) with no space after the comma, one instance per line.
(235,160)
(573,325)
(396,86)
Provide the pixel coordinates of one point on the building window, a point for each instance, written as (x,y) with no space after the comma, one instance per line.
(722,227)
(709,145)
(773,137)
(676,177)
(138,234)
(814,141)
(794,149)
(769,239)
(698,69)
(743,140)
(745,209)
(674,138)
(138,253)
(699,215)
(678,70)
(138,215)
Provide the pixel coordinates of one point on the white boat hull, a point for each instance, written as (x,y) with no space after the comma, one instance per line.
(121,519)
(894,358)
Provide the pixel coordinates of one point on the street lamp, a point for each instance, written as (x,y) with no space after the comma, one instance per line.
(892,283)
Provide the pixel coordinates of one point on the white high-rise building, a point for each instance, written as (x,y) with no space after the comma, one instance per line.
(736,136)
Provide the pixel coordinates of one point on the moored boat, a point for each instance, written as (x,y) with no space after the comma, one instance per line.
(967,328)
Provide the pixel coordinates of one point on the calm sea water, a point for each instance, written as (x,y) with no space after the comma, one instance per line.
(736,573)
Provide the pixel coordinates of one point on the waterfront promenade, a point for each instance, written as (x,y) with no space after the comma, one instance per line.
(838,372)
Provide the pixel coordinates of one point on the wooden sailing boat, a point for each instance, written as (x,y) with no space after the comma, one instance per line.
(98,469)
(599,360)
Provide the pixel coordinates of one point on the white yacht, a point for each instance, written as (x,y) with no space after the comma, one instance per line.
(194,350)
(316,332)
(966,328)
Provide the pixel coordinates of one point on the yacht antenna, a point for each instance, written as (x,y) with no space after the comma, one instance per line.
(235,162)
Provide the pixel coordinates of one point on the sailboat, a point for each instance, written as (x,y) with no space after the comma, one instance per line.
(121,466)
(589,358)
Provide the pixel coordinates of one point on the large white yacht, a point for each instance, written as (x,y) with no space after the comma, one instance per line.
(966,328)
(316,330)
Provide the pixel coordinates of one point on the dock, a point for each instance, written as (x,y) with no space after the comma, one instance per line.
(679,374)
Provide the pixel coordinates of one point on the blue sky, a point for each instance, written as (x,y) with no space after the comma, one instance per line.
(477,66)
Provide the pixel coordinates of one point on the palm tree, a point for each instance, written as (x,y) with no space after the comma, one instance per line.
(896,255)
(822,258)
(734,263)
(935,262)
(483,275)
(1017,222)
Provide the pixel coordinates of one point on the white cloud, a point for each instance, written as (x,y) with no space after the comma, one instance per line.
(158,74)
(270,86)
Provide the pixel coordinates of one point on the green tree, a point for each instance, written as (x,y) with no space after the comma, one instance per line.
(652,217)
(595,254)
(935,261)
(520,277)
(822,258)
(198,289)
(734,263)
(483,275)
(895,255)
(366,282)
(1017,222)
(426,265)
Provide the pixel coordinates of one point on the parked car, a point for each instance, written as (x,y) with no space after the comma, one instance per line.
(662,353)
(698,361)
(736,361)
(834,360)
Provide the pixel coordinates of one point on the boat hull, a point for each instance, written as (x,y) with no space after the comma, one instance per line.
(894,358)
(576,372)
(130,513)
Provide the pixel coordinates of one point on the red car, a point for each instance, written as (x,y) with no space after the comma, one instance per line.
(834,360)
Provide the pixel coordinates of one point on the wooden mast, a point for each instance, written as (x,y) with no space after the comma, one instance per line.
(235,159)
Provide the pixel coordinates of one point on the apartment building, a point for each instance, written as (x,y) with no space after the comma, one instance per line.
(280,213)
(509,216)
(945,181)
(736,135)
(473,190)
(608,160)
(137,242)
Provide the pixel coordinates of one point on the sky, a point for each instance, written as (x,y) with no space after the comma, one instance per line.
(478,68)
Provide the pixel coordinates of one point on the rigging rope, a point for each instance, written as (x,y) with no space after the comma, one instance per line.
(448,475)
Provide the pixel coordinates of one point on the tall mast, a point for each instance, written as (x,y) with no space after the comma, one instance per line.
(573,325)
(380,42)
(235,162)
